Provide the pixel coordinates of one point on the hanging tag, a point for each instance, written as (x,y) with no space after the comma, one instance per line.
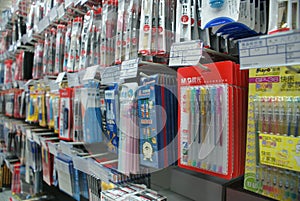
(92,73)
(80,76)
(186,53)
(129,68)
(73,79)
(60,77)
(110,75)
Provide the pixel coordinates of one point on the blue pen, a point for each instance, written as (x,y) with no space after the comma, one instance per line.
(214,127)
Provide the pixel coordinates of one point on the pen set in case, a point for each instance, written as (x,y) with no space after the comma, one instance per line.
(65,114)
(156,102)
(210,113)
(272,158)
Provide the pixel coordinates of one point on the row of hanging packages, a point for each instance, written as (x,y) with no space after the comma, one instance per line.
(113,31)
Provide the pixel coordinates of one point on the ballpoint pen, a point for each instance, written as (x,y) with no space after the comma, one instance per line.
(289,114)
(183,22)
(191,125)
(296,116)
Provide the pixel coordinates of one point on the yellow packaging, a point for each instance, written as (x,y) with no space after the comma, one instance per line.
(268,168)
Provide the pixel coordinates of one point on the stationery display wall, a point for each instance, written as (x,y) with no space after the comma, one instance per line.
(98,95)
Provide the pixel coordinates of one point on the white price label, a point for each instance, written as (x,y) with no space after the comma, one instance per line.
(43,24)
(73,79)
(60,77)
(92,73)
(53,14)
(111,74)
(129,68)
(53,85)
(21,84)
(61,11)
(186,53)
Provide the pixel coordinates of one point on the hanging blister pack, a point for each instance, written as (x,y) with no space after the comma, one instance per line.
(112,118)
(37,71)
(45,52)
(51,52)
(121,25)
(96,37)
(77,113)
(104,41)
(41,108)
(183,21)
(59,53)
(280,16)
(128,152)
(154,30)
(55,107)
(74,50)
(67,46)
(86,40)
(65,114)
(145,35)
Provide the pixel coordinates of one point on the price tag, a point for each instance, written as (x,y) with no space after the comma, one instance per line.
(68,3)
(111,74)
(11,48)
(52,148)
(43,24)
(129,68)
(53,85)
(53,14)
(60,11)
(73,79)
(92,73)
(60,77)
(186,53)
(81,164)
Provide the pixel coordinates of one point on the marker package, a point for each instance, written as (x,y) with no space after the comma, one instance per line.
(65,114)
(156,117)
(210,112)
(67,45)
(272,155)
(77,113)
(9,103)
(91,115)
(128,153)
(59,52)
(112,117)
(55,108)
(19,65)
(85,46)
